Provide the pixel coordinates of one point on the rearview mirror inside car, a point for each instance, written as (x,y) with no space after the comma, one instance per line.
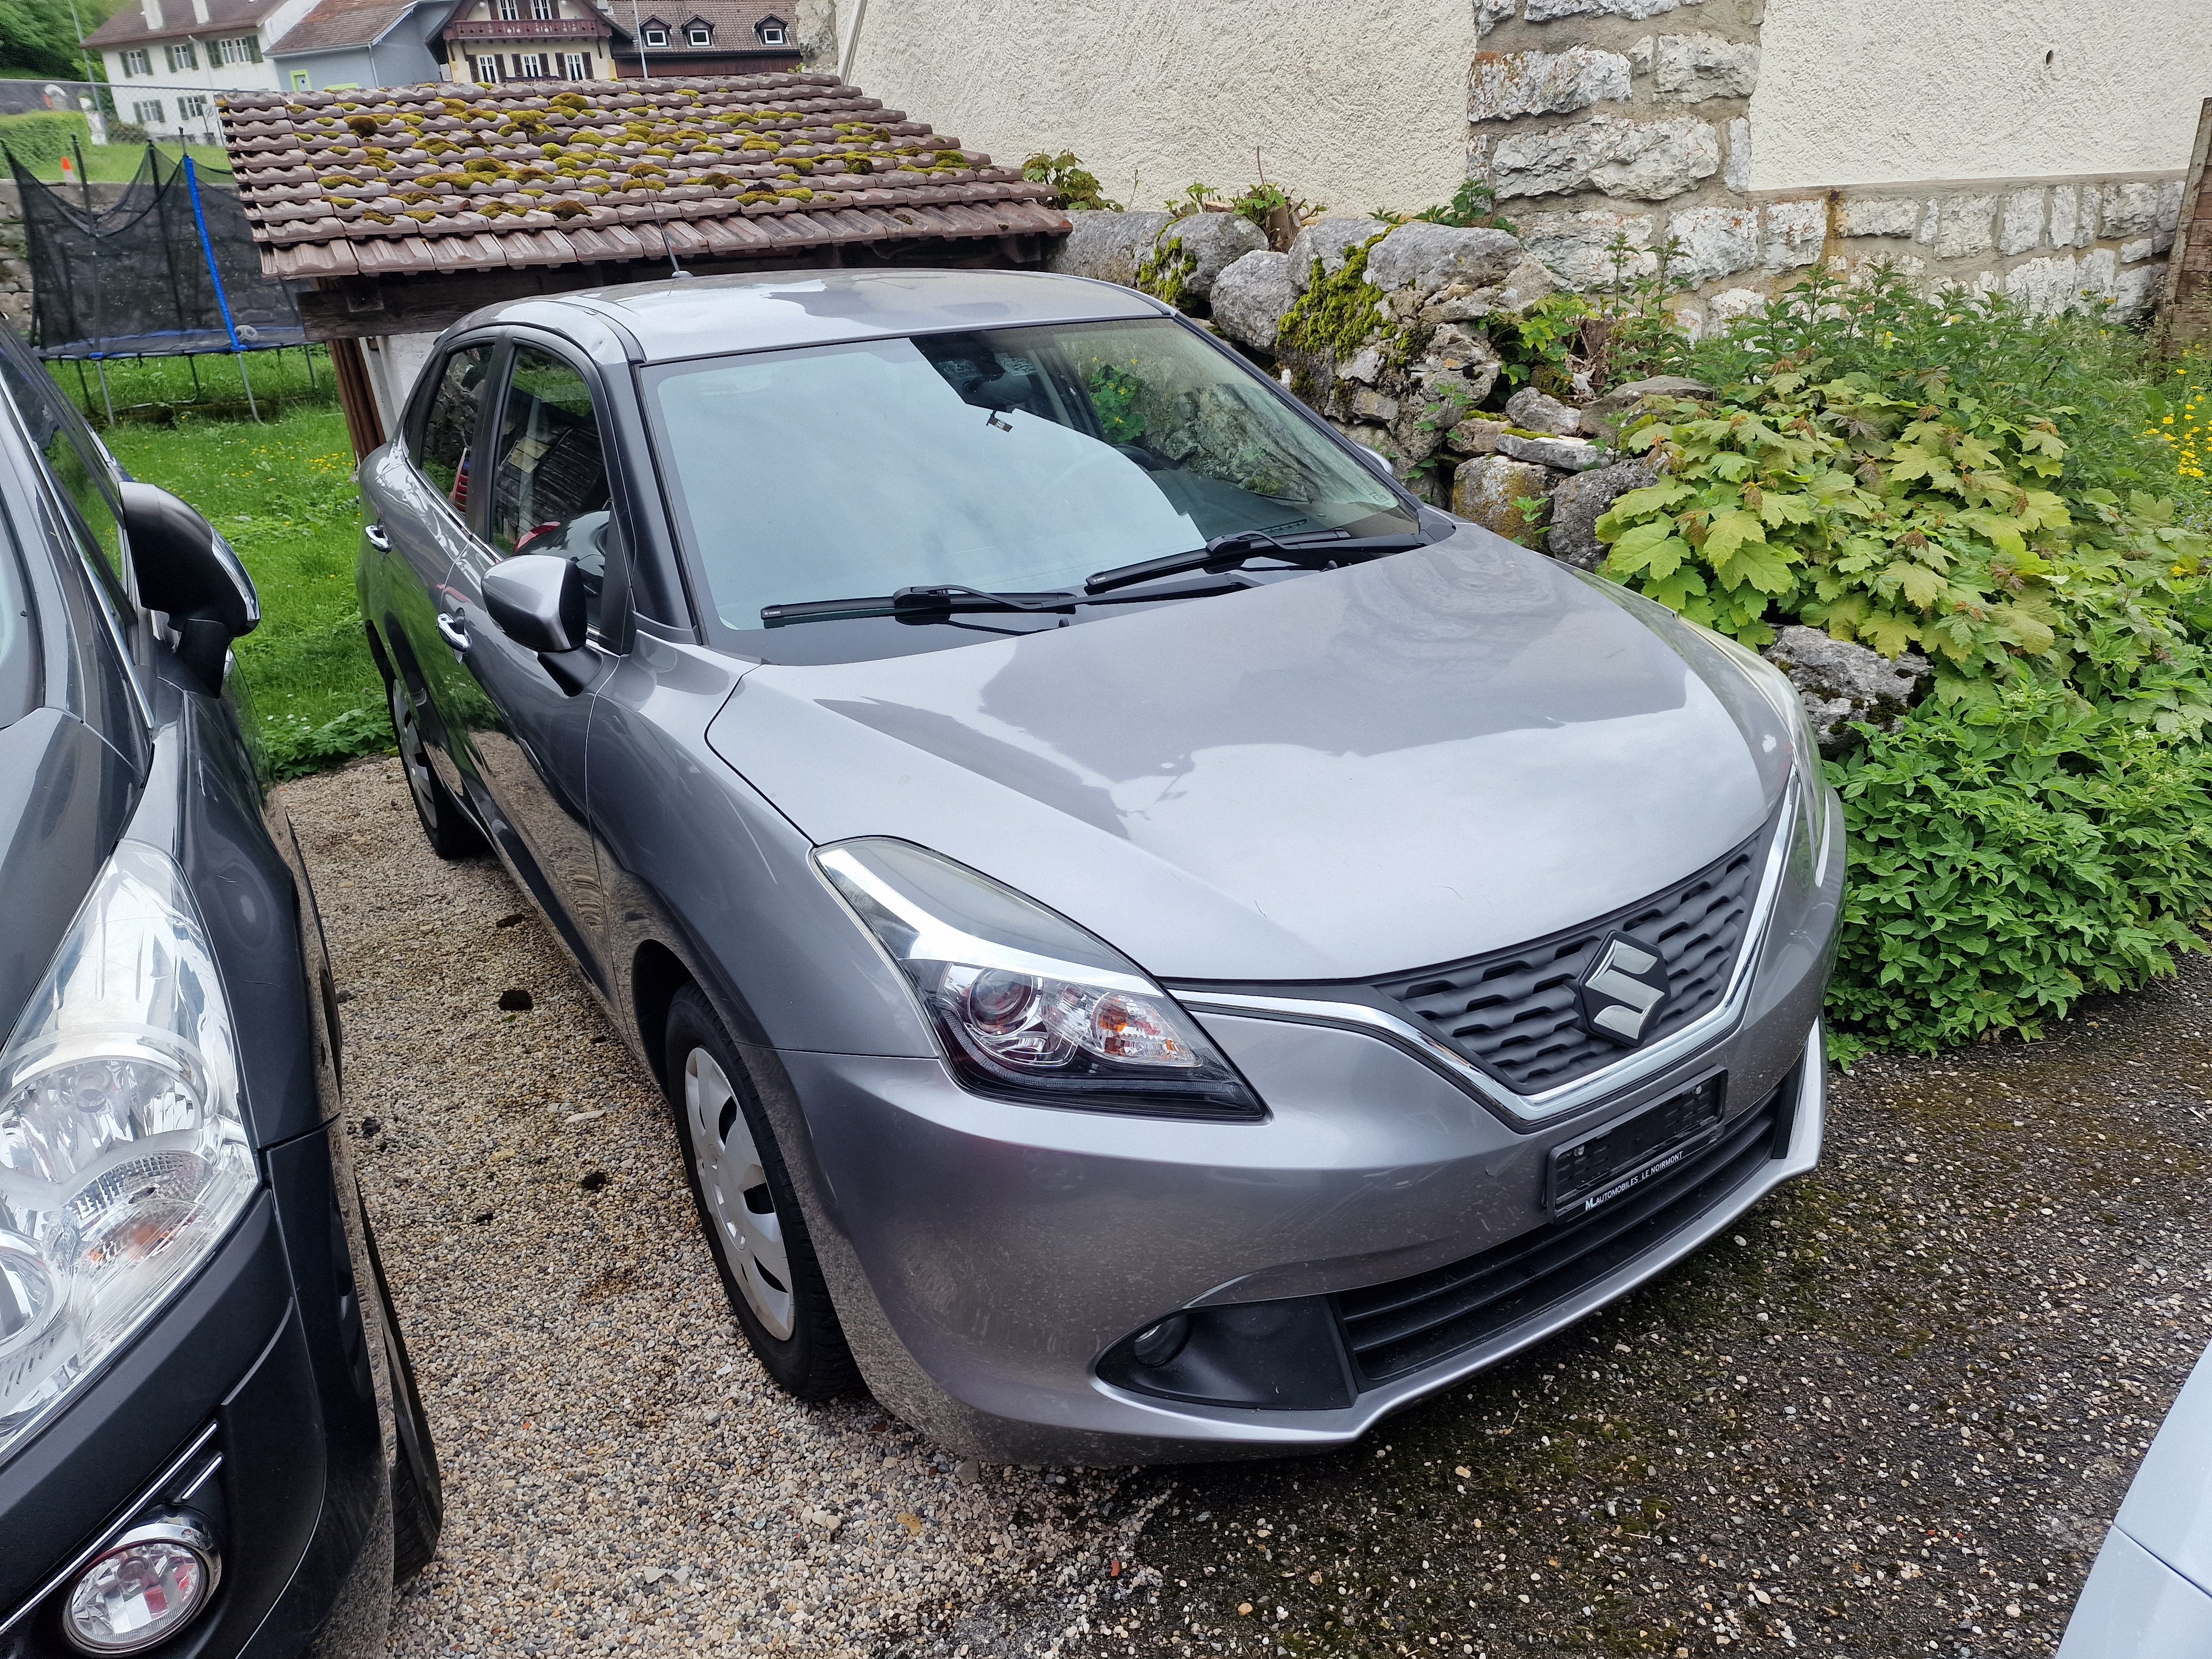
(537,599)
(186,570)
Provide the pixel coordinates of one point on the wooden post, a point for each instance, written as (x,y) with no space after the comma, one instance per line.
(356,398)
(2184,308)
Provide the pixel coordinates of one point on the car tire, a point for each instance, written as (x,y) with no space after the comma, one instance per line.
(446,823)
(418,1490)
(750,1211)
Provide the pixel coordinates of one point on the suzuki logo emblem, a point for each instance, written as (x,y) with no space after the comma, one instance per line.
(1624,990)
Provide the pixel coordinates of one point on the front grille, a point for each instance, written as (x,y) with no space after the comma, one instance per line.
(1402,1326)
(1513,1011)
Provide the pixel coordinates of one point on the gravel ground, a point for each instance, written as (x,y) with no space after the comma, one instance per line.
(1892,1414)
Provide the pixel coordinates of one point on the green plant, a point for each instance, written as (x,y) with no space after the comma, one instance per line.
(1163,272)
(1073,185)
(1193,199)
(1339,311)
(1914,514)
(41,138)
(2007,860)
(1474,204)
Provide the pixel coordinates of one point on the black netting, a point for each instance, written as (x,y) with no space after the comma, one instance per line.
(132,279)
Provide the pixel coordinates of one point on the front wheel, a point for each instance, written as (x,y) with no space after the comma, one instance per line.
(447,825)
(750,1211)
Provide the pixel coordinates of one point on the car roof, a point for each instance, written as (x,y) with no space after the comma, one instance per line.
(707,316)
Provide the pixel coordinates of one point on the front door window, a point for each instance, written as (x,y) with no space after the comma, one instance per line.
(548,488)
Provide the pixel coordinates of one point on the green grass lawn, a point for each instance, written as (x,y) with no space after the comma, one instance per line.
(282,493)
(116,164)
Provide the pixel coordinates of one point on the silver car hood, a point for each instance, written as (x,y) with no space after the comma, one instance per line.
(1334,776)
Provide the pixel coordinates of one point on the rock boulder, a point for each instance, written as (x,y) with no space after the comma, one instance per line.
(1533,411)
(1499,494)
(1250,297)
(1214,241)
(1577,504)
(1602,418)
(1108,247)
(1425,257)
(1842,684)
(1329,240)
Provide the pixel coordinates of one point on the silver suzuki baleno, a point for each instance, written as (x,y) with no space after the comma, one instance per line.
(1160,945)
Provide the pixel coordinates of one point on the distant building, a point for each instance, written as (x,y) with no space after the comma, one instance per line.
(166,59)
(363,43)
(492,42)
(706,37)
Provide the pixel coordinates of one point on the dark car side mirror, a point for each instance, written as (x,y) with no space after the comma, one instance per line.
(537,599)
(185,568)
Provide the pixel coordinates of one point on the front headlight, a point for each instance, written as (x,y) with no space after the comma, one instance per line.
(123,1152)
(1027,1005)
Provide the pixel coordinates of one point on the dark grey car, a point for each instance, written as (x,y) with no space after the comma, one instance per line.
(210,1442)
(1160,945)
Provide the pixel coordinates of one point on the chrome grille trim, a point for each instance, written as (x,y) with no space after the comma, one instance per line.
(1526,1111)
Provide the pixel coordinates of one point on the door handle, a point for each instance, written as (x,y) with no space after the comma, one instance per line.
(377,539)
(452,630)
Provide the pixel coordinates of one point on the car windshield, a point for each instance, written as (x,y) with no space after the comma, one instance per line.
(1016,460)
(19,678)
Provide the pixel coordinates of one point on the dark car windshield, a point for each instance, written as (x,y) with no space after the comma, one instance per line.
(1010,459)
(19,678)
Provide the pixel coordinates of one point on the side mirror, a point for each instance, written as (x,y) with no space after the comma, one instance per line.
(1376,459)
(185,568)
(537,599)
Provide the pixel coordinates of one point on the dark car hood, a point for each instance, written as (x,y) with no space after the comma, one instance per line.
(1336,776)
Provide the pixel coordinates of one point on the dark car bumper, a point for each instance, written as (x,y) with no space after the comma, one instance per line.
(230,1404)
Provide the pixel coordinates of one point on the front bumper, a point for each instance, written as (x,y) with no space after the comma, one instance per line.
(987,1257)
(231,1404)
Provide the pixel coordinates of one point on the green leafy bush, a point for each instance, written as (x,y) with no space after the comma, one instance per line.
(2007,860)
(44,137)
(1903,511)
(1074,185)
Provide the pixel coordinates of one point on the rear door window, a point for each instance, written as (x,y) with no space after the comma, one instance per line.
(449,425)
(548,486)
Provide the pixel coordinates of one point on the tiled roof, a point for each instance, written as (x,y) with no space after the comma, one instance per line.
(128,27)
(423,179)
(337,23)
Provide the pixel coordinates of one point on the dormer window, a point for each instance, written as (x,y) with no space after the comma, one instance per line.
(655,35)
(699,35)
(772,32)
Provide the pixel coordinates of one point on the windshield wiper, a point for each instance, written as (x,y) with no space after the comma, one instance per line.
(940,600)
(1315,550)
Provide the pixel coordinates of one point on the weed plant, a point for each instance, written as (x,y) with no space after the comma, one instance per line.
(2021,500)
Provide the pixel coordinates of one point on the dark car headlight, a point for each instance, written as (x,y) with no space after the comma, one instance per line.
(1026,1004)
(123,1152)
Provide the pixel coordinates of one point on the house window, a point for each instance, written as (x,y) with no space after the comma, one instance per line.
(656,37)
(699,35)
(484,70)
(542,10)
(137,63)
(239,48)
(771,35)
(579,66)
(508,10)
(193,108)
(147,112)
(182,56)
(530,65)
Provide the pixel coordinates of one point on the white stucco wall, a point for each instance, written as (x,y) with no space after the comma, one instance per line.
(1872,92)
(1358,107)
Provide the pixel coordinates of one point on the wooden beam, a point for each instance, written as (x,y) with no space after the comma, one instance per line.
(2184,307)
(356,397)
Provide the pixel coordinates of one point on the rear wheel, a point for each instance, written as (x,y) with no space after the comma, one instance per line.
(451,832)
(750,1211)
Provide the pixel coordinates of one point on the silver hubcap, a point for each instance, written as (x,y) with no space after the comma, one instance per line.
(747,1229)
(411,758)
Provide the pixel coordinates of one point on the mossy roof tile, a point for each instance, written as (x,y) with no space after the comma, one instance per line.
(433,178)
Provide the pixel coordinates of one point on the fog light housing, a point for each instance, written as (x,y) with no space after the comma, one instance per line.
(1276,1355)
(144,1588)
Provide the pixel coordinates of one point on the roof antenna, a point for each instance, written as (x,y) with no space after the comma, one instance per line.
(645,73)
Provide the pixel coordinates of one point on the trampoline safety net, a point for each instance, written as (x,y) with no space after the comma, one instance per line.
(169,269)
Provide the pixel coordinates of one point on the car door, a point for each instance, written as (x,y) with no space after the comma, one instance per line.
(541,487)
(417,489)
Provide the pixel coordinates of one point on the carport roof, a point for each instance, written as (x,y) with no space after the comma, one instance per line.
(449,177)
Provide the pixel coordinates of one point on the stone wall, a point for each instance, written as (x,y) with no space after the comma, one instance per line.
(1601,123)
